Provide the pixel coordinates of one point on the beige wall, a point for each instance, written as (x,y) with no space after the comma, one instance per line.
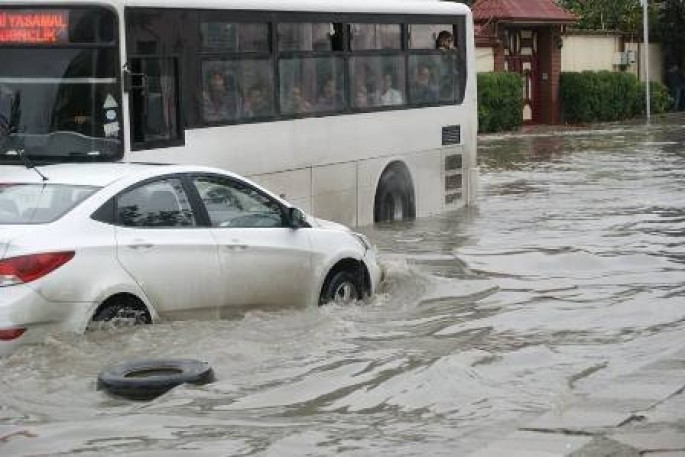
(593,52)
(485,60)
(656,62)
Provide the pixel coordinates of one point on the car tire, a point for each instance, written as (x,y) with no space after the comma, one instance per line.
(121,311)
(343,288)
(148,379)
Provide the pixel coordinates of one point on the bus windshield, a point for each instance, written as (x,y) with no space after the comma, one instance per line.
(59,91)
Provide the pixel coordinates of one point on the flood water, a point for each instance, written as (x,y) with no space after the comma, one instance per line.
(568,273)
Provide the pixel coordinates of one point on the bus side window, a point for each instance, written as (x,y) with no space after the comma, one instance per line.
(433,64)
(155,113)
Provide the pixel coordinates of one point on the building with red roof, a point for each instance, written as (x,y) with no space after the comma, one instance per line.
(526,37)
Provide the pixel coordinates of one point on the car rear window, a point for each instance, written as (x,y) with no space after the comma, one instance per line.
(39,203)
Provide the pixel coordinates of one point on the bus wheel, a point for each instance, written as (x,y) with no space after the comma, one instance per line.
(394,197)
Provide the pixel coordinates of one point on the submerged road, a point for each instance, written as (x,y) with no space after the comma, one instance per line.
(497,326)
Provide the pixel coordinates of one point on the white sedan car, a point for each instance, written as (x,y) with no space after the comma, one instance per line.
(135,243)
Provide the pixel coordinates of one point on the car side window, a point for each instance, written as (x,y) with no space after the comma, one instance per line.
(231,203)
(161,203)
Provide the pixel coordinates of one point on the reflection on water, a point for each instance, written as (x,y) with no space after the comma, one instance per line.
(568,273)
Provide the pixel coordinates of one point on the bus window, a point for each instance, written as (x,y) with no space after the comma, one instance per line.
(431,36)
(155,114)
(322,36)
(319,81)
(256,84)
(220,101)
(375,36)
(434,77)
(234,37)
(377,81)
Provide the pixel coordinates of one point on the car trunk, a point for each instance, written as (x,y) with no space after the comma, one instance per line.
(9,233)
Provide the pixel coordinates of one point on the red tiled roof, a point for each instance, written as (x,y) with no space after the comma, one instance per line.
(521,11)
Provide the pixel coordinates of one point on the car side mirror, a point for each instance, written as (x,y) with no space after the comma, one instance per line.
(296,218)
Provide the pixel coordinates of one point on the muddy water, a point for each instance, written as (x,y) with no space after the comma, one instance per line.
(568,273)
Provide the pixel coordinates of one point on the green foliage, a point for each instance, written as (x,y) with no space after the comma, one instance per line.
(659,98)
(672,31)
(500,107)
(623,15)
(606,96)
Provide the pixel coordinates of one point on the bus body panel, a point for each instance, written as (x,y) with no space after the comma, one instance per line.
(330,165)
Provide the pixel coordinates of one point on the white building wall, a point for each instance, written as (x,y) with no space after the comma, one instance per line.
(485,60)
(589,52)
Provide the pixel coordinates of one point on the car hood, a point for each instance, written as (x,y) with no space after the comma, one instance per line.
(323,223)
(8,233)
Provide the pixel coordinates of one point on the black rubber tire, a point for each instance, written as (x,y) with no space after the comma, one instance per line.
(393,200)
(342,288)
(147,379)
(123,308)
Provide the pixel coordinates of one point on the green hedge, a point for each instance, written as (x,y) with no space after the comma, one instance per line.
(605,96)
(499,101)
(659,98)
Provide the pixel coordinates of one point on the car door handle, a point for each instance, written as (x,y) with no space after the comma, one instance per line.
(235,247)
(140,245)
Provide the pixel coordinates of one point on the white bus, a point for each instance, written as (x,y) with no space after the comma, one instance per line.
(358,111)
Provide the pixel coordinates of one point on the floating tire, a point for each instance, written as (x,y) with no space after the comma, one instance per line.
(147,379)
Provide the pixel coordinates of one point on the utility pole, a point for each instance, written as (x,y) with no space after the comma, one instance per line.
(645,43)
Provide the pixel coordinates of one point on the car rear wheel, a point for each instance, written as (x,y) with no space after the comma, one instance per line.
(342,288)
(119,312)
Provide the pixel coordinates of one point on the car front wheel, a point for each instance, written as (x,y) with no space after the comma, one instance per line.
(342,288)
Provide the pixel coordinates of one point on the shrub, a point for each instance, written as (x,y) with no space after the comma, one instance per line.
(659,98)
(499,101)
(607,96)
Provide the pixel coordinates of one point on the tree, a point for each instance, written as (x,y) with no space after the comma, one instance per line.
(672,31)
(622,15)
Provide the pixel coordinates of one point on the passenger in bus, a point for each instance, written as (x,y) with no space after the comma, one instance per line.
(256,102)
(444,40)
(219,101)
(329,99)
(361,97)
(424,89)
(388,95)
(295,103)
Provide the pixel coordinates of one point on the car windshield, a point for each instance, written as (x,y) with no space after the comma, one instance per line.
(39,203)
(59,94)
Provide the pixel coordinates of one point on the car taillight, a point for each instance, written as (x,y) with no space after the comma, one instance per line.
(27,268)
(9,334)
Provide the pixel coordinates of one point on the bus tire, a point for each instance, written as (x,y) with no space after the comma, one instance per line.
(394,197)
(147,379)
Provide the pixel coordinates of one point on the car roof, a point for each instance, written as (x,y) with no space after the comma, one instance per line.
(92,174)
